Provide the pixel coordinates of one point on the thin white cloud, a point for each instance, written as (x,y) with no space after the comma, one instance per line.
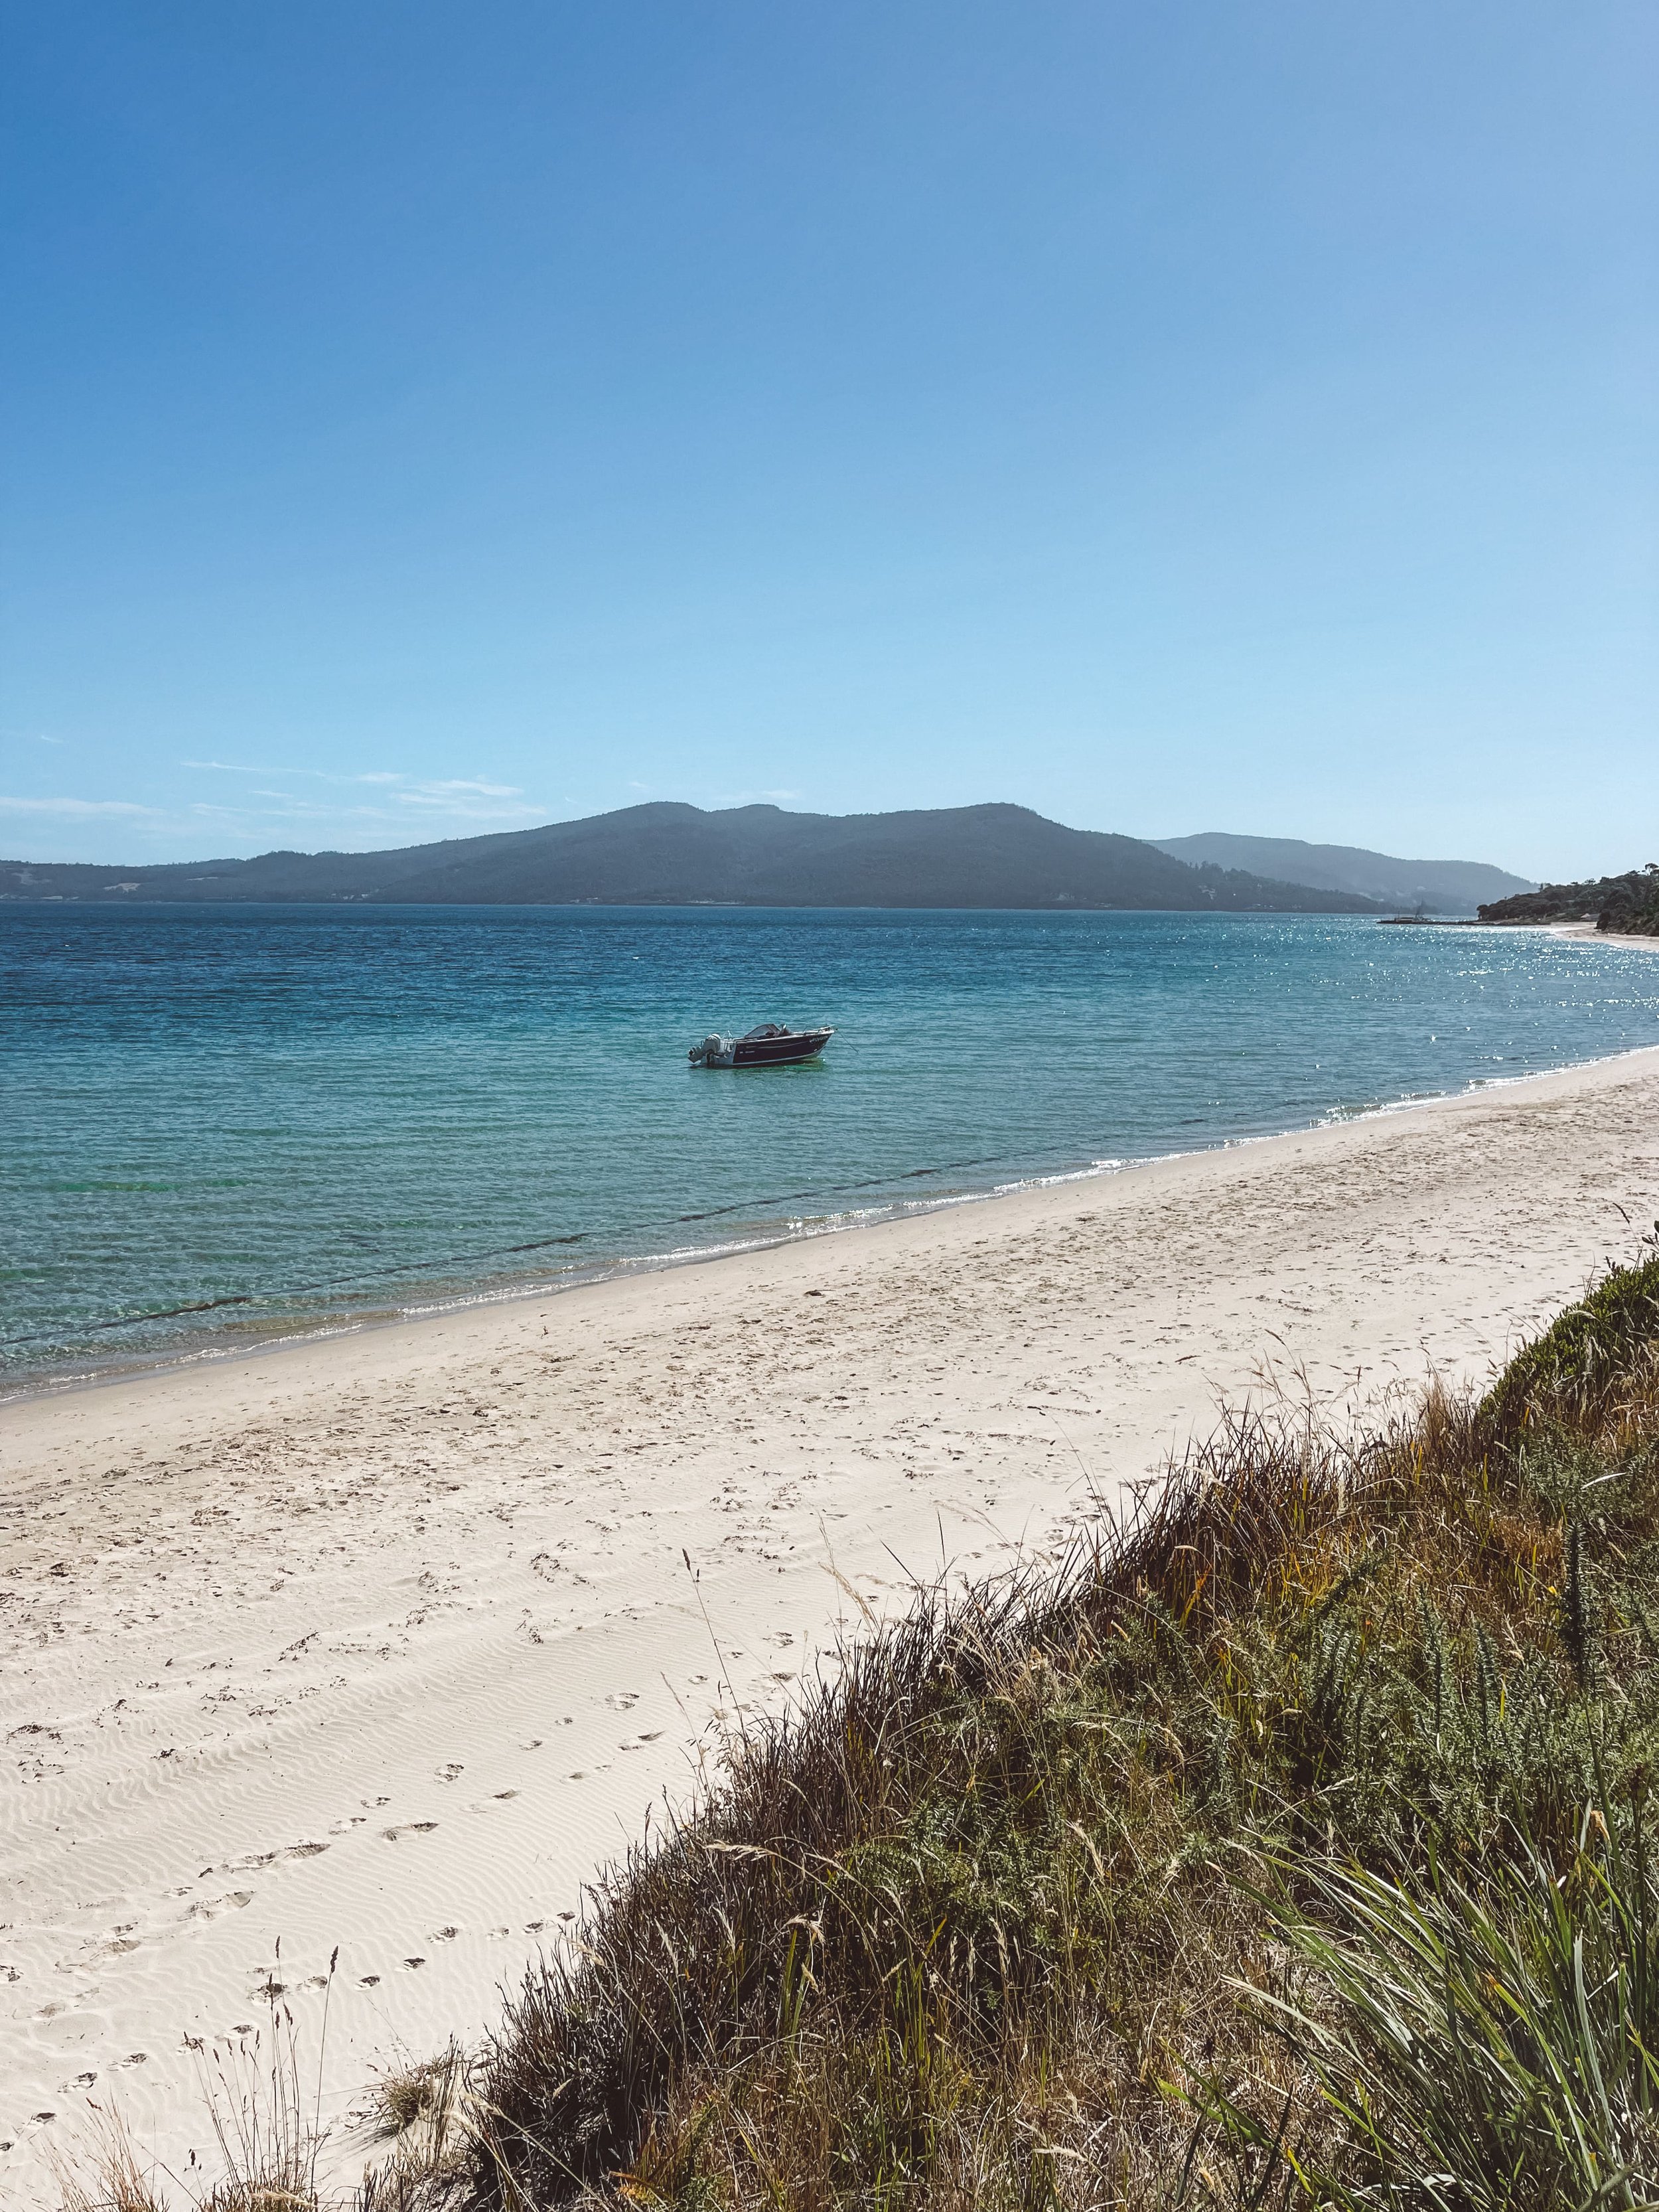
(448,791)
(435,809)
(462,784)
(73,806)
(321,776)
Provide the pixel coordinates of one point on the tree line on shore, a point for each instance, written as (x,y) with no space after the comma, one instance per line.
(1621,906)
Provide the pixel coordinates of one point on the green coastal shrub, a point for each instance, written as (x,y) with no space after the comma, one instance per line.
(1482,2043)
(1596,1369)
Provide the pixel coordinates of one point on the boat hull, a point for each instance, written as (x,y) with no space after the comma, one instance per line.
(779,1052)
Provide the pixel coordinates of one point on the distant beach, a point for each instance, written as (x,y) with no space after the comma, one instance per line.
(388,1640)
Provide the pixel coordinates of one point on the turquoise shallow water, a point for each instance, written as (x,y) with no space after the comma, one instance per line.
(222,1127)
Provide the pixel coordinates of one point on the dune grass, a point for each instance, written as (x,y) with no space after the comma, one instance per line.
(1493,2038)
(978,1926)
(1291,1845)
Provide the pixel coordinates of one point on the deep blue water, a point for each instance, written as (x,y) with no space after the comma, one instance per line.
(319,1112)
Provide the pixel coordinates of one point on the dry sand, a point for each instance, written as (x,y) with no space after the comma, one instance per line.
(388,1641)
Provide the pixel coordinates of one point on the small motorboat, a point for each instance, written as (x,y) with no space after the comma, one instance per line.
(770,1046)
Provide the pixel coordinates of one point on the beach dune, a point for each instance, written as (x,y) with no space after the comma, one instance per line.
(387,1641)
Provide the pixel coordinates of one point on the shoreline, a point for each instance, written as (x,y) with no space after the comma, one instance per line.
(1577,932)
(389,1641)
(1586,932)
(205,1352)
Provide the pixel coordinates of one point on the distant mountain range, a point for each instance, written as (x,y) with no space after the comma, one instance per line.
(1434,885)
(1438,886)
(669,854)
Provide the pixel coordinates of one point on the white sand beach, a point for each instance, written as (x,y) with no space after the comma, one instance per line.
(387,1641)
(1586,932)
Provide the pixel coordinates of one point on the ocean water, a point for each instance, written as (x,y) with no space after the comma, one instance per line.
(222,1128)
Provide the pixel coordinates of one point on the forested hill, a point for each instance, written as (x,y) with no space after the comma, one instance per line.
(1626,906)
(667,854)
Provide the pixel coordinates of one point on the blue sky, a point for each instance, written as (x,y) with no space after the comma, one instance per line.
(1232,415)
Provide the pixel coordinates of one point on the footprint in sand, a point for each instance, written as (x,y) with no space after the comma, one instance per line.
(444,1934)
(80,2081)
(451,1772)
(410,1828)
(369,1981)
(412,1963)
(115,1948)
(132,2058)
(210,1908)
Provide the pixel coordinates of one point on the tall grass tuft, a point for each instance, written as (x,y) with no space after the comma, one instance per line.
(264,2110)
(1487,2041)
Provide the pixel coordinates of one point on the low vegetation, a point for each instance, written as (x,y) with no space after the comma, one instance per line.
(1291,1845)
(1623,906)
